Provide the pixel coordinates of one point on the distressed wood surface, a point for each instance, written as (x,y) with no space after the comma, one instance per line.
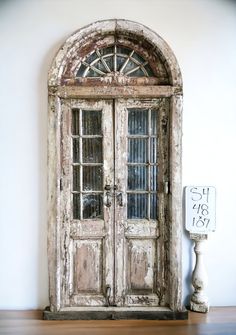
(107,91)
(71,245)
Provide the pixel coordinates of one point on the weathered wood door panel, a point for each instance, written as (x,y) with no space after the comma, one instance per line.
(141,172)
(87,165)
(113,204)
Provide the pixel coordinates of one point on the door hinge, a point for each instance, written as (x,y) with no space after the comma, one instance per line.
(166,187)
(61,185)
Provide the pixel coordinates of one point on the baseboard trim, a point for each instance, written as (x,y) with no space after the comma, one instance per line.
(116,314)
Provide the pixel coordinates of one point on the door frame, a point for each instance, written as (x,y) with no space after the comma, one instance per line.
(59,92)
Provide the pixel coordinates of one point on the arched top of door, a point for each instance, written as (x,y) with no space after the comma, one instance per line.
(118,53)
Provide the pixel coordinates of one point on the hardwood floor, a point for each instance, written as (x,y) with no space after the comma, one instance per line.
(219,321)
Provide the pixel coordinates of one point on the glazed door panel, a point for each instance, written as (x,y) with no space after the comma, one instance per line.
(87,214)
(141,171)
(114,167)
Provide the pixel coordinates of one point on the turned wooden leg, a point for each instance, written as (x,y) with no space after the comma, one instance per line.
(199,300)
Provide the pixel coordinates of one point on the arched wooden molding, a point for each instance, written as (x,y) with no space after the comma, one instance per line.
(94,35)
(62,84)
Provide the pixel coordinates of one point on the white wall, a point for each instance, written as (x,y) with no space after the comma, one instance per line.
(202,35)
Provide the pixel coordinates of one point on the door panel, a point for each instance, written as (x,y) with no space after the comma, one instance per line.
(88,260)
(140,173)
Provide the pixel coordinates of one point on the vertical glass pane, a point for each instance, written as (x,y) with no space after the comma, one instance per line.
(149,71)
(137,150)
(120,61)
(137,206)
(76,178)
(130,66)
(99,65)
(153,178)
(92,178)
(92,206)
(91,57)
(91,122)
(76,158)
(76,206)
(153,207)
(92,150)
(110,63)
(81,70)
(138,122)
(153,150)
(154,122)
(75,122)
(137,178)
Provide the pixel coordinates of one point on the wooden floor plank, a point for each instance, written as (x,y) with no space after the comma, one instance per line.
(219,321)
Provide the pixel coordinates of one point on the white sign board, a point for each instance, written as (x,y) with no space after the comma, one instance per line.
(200,215)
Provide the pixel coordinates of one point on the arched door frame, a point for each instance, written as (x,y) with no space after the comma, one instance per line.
(59,90)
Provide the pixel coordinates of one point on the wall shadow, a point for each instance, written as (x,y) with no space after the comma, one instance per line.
(42,119)
(187,279)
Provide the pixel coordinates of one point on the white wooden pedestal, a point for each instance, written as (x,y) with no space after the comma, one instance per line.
(199,300)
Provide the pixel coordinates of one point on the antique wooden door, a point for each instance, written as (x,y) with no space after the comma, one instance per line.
(114,185)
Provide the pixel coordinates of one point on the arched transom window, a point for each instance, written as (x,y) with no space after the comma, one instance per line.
(112,60)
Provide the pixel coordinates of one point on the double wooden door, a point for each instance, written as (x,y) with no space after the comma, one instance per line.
(114,206)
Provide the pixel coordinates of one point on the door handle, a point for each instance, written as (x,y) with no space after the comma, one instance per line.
(119,197)
(108,196)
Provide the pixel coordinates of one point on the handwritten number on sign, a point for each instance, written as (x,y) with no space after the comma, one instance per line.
(201,209)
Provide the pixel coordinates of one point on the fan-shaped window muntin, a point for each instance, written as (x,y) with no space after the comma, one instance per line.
(114,60)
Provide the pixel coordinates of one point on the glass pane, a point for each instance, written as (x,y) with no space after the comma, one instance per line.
(92,150)
(76,158)
(130,66)
(138,58)
(137,178)
(75,122)
(76,206)
(91,57)
(137,206)
(123,51)
(137,151)
(153,178)
(92,206)
(110,62)
(138,122)
(81,70)
(92,73)
(106,51)
(76,178)
(153,150)
(120,61)
(91,122)
(153,207)
(149,71)
(99,65)
(92,178)
(154,122)
(137,73)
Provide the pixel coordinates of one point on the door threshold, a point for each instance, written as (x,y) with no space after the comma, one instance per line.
(115,313)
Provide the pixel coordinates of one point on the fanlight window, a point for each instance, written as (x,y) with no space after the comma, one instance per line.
(114,59)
